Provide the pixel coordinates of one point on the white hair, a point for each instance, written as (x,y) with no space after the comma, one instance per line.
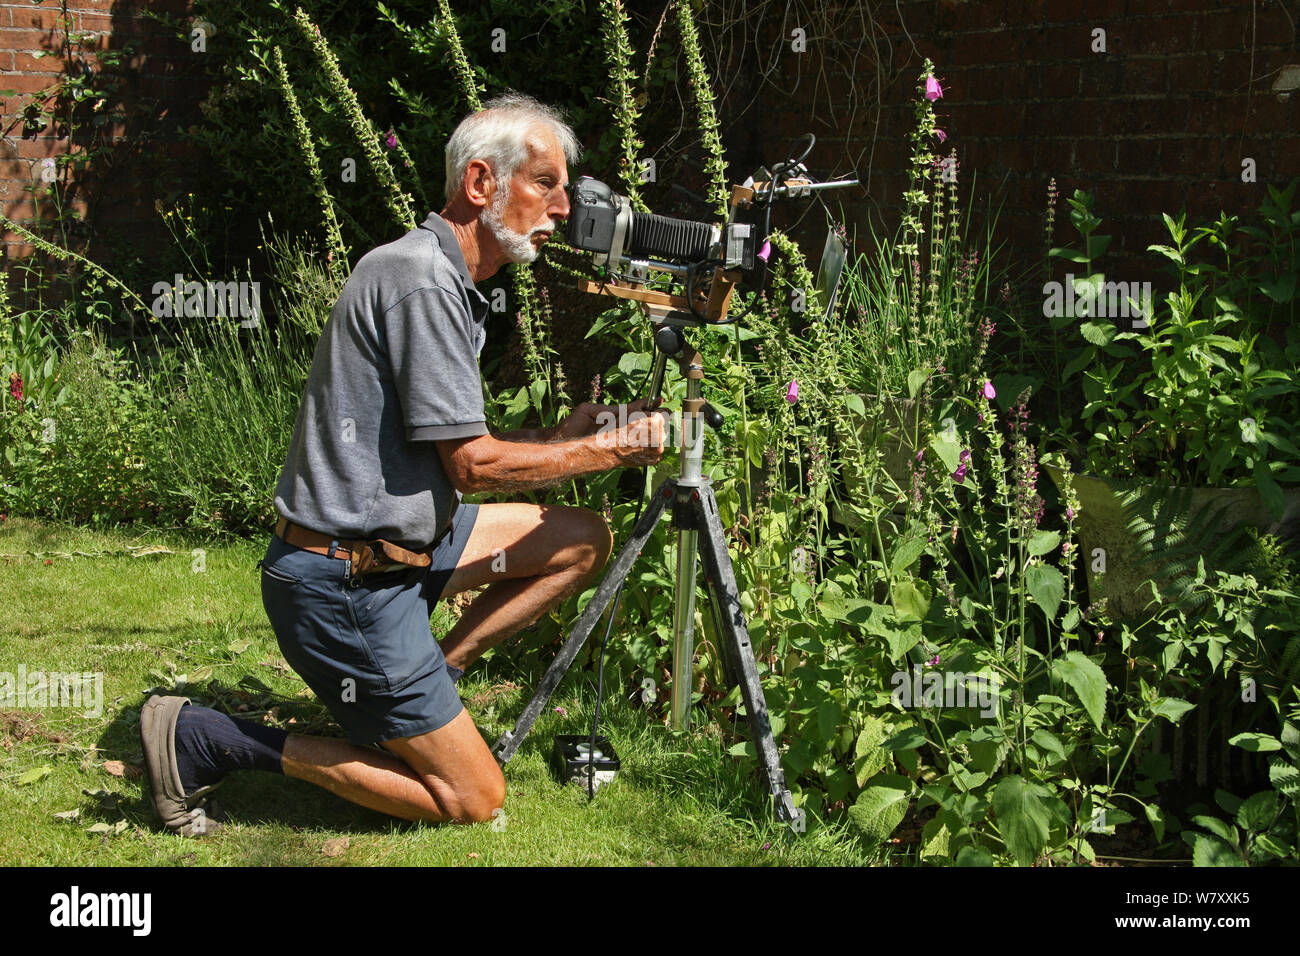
(498,133)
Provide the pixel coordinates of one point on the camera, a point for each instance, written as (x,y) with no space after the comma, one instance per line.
(604,223)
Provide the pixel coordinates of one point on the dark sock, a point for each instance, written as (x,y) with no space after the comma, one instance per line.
(455,672)
(210,744)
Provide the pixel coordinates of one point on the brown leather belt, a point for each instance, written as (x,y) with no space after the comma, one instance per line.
(368,557)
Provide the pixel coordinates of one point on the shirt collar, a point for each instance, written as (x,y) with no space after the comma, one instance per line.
(451,249)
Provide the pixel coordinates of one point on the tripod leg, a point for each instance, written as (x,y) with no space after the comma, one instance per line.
(725,593)
(509,742)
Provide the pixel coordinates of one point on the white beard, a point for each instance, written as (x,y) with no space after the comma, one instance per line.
(518,246)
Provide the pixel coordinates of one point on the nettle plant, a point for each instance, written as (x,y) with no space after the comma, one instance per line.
(1199,387)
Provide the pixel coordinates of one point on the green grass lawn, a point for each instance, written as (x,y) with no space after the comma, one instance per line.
(75,601)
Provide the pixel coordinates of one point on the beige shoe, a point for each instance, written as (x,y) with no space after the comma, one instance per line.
(191,815)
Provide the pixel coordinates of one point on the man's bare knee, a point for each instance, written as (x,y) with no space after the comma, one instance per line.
(478,804)
(598,542)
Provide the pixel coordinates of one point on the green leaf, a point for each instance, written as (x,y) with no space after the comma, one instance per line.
(1258,812)
(869,758)
(1156,816)
(1044,541)
(1023,817)
(1256,743)
(880,807)
(35,774)
(1087,680)
(1046,587)
(1097,333)
(239,646)
(949,452)
(906,554)
(1211,851)
(1269,491)
(828,718)
(911,599)
(915,379)
(1285,778)
(902,641)
(909,738)
(1171,708)
(974,856)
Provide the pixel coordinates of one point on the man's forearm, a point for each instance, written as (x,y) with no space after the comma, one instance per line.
(528,436)
(508,465)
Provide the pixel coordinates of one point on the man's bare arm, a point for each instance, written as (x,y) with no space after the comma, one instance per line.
(485,463)
(533,436)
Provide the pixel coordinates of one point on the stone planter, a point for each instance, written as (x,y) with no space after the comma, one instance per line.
(1103,532)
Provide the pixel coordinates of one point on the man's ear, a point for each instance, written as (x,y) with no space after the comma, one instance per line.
(479,183)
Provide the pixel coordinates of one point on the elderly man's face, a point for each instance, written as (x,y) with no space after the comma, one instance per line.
(525,212)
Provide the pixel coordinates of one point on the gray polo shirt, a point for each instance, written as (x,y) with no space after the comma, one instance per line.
(395,370)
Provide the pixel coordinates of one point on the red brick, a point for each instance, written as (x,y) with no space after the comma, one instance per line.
(1158,35)
(1141,198)
(14,39)
(1218,115)
(1101,76)
(1285,162)
(1060,80)
(1139,157)
(1055,43)
(1193,73)
(19,248)
(973,86)
(1206,200)
(1100,11)
(1134,117)
(20,209)
(27,83)
(992,46)
(1062,11)
(1229,30)
(1195,158)
(1094,156)
(1144,75)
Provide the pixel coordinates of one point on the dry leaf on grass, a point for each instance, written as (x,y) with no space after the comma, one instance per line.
(119,769)
(335,847)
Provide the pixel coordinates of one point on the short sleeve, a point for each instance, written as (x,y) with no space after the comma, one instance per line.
(433,355)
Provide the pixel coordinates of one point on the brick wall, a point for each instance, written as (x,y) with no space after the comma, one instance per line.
(1161,120)
(115,194)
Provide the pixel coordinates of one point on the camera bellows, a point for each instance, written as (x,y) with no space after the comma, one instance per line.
(665,237)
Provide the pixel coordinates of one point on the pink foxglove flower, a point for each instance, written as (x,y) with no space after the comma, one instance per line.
(989,393)
(933,662)
(792,393)
(933,90)
(964,456)
(765,251)
(390,140)
(959,475)
(943,137)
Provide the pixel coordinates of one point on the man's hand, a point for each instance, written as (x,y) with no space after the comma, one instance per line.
(588,418)
(641,442)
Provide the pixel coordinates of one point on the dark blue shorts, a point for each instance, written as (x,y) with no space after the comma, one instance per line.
(367,651)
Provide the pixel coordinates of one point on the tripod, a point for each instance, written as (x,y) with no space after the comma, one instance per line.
(695,515)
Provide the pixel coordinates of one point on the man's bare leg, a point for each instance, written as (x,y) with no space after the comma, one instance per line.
(532,557)
(445,774)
